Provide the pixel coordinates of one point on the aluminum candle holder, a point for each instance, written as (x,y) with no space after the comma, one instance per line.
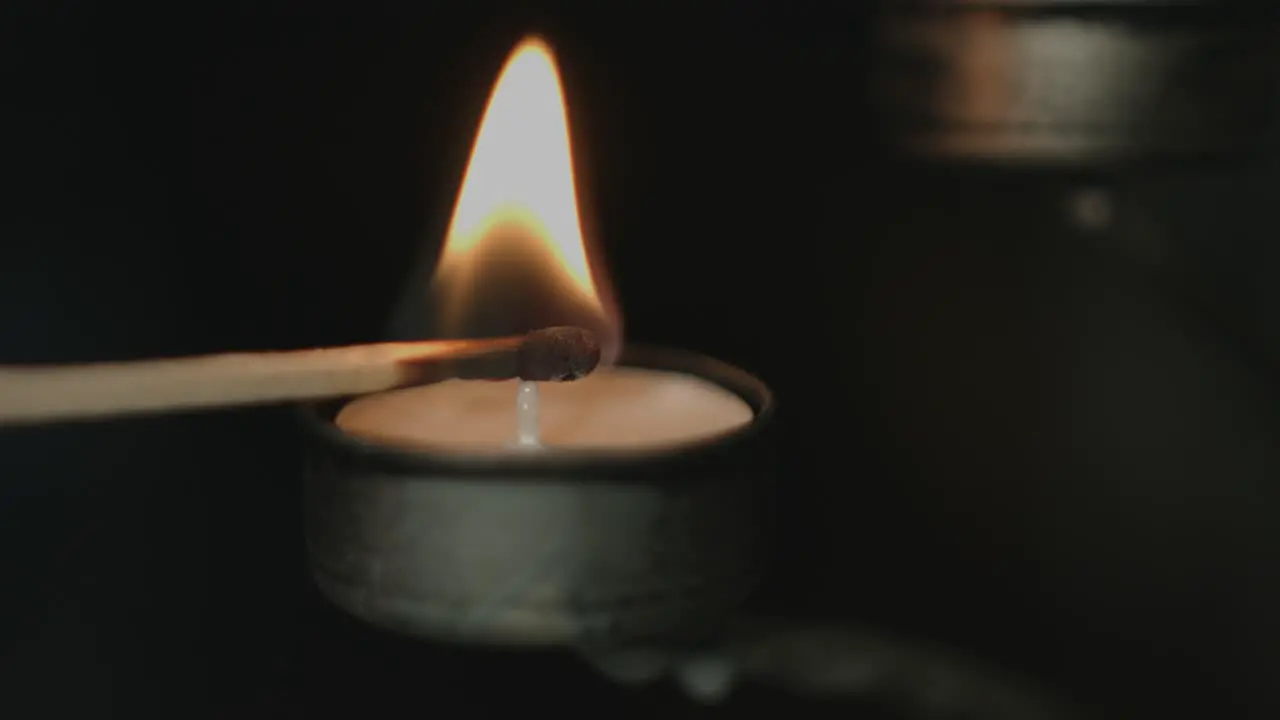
(583,548)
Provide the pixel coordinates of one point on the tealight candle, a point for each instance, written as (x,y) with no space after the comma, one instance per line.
(626,507)
(629,408)
(641,513)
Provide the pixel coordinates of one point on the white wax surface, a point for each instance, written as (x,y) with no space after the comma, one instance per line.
(620,408)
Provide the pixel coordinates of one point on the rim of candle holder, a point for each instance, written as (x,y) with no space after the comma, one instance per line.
(319,416)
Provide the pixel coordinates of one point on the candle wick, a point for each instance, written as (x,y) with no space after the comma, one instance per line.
(527,434)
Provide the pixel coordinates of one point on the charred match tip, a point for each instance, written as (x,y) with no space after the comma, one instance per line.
(558,354)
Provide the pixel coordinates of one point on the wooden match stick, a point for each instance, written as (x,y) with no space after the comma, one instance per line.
(43,394)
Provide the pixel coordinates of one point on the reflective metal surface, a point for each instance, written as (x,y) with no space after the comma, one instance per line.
(1074,82)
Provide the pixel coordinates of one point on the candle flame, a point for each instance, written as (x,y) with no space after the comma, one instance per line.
(515,257)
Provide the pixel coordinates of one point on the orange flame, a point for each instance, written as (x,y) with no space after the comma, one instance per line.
(515,257)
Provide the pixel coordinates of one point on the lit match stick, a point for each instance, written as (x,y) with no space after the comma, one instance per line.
(43,394)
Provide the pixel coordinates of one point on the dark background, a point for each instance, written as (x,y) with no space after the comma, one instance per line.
(998,429)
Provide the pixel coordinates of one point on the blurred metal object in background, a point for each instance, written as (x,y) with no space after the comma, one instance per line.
(833,663)
(1075,81)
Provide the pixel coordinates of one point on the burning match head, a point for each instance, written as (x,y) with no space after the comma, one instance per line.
(558,354)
